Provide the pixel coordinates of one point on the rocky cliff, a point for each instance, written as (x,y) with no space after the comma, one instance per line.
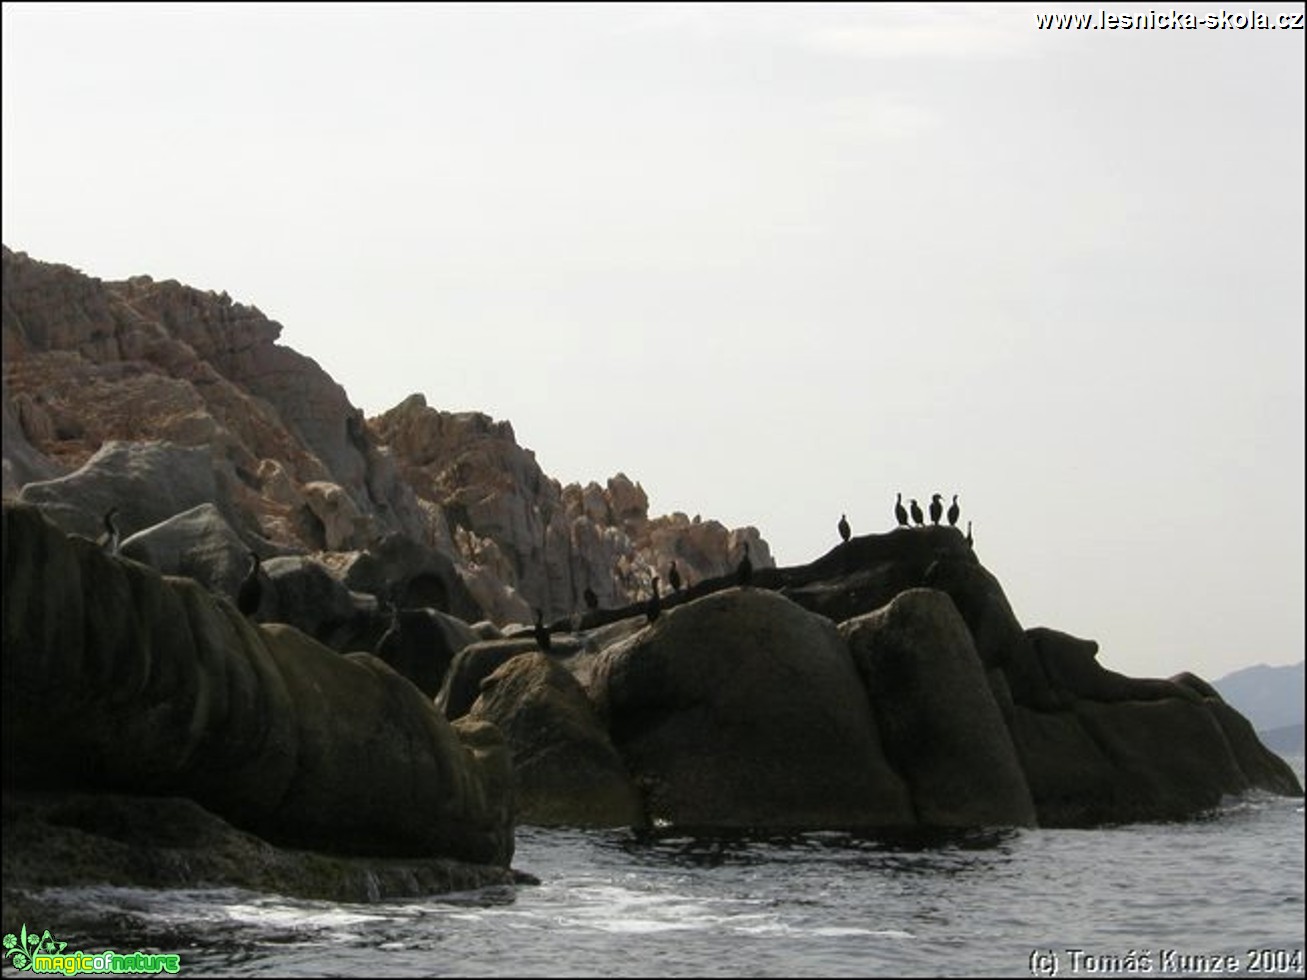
(158,398)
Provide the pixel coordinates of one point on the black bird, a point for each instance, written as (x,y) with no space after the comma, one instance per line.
(389,643)
(591,600)
(900,512)
(953,512)
(542,633)
(111,538)
(655,604)
(845,530)
(744,570)
(970,543)
(936,508)
(674,577)
(916,513)
(251,590)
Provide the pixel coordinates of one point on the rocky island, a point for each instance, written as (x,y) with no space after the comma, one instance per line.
(381,717)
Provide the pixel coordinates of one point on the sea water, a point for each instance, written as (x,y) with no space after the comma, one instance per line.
(1213,896)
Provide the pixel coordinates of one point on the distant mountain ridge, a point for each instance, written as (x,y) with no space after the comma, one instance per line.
(1272,699)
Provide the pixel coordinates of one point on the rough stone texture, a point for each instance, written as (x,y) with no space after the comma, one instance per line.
(116,678)
(55,840)
(741,709)
(197,543)
(1072,668)
(292,465)
(566,770)
(940,726)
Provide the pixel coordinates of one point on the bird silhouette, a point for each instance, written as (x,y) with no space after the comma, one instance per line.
(674,578)
(389,643)
(916,513)
(970,542)
(111,538)
(655,604)
(591,600)
(250,595)
(900,512)
(845,530)
(542,633)
(953,512)
(744,570)
(936,508)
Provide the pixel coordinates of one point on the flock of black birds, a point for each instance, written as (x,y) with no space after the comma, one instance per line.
(913,511)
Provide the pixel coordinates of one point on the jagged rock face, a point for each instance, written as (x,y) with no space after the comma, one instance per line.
(116,678)
(546,542)
(293,465)
(87,362)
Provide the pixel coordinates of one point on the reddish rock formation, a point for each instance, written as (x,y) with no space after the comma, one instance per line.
(293,462)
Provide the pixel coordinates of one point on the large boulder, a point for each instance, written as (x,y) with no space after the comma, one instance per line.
(116,678)
(941,728)
(565,768)
(741,709)
(197,543)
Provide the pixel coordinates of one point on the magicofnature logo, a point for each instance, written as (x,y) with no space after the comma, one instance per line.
(42,953)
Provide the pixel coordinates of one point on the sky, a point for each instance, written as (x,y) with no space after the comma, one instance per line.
(775,262)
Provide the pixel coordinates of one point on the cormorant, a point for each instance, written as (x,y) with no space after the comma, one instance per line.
(744,570)
(953,512)
(900,512)
(591,600)
(655,604)
(916,513)
(111,538)
(970,543)
(845,530)
(674,577)
(388,645)
(251,590)
(936,508)
(542,633)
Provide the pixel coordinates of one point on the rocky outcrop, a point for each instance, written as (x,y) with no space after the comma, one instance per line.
(940,725)
(116,678)
(158,398)
(728,709)
(57,840)
(565,769)
(743,710)
(548,543)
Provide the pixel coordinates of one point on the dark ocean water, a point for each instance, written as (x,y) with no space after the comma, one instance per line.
(1175,897)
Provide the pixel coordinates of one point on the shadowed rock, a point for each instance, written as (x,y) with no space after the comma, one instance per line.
(565,769)
(940,726)
(116,678)
(741,709)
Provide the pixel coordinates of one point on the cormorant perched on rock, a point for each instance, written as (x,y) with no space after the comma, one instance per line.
(744,570)
(542,633)
(389,643)
(845,530)
(111,538)
(655,604)
(591,600)
(953,512)
(674,577)
(936,508)
(251,590)
(900,512)
(970,543)
(916,513)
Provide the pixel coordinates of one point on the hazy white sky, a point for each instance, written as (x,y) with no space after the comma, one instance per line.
(774,262)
